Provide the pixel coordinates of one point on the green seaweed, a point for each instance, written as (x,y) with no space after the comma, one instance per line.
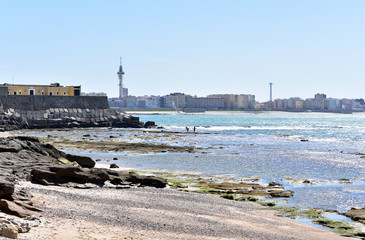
(227,196)
(176,185)
(266,204)
(294,213)
(66,161)
(289,212)
(343,228)
(312,213)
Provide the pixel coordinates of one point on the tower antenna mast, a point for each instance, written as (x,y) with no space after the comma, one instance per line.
(120,76)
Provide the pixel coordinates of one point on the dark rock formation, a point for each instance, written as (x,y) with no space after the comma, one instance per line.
(356,214)
(275,184)
(280,193)
(84,162)
(150,124)
(25,158)
(6,188)
(11,119)
(65,175)
(113,165)
(146,180)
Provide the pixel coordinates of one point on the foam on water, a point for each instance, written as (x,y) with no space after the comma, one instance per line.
(314,125)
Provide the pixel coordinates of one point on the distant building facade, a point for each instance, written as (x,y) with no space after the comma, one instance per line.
(207,103)
(236,101)
(176,100)
(320,96)
(53,89)
(319,102)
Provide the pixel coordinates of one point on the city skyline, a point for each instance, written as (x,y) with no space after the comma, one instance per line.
(200,48)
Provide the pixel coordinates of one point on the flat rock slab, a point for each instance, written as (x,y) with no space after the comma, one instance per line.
(14,209)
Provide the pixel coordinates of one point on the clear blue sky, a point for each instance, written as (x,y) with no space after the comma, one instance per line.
(198,47)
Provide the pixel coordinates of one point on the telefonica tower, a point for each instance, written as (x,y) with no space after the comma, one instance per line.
(123,92)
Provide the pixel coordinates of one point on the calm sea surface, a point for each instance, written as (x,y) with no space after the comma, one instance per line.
(274,147)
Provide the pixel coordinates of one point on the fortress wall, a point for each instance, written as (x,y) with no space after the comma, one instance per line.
(38,103)
(62,112)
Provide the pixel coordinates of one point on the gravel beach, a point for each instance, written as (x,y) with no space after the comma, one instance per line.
(149,213)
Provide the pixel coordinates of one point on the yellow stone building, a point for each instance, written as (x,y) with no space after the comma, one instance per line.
(54,89)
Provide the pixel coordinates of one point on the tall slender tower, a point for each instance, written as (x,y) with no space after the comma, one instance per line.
(120,76)
(271,92)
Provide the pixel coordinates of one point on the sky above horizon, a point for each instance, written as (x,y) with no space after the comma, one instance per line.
(196,47)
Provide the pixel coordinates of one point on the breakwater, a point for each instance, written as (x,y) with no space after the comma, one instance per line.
(18,112)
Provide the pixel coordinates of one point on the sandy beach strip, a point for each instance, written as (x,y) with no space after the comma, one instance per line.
(150,213)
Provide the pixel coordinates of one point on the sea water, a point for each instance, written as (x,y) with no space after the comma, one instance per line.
(283,147)
(320,147)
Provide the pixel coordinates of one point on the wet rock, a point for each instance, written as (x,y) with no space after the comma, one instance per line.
(344,181)
(281,193)
(113,165)
(259,193)
(306,181)
(83,161)
(356,214)
(150,124)
(275,184)
(115,158)
(304,140)
(151,181)
(359,153)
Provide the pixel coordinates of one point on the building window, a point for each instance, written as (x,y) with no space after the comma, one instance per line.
(50,93)
(64,93)
(20,92)
(42,92)
(58,93)
(14,92)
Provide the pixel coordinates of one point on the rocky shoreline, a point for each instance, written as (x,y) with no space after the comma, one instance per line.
(11,119)
(25,158)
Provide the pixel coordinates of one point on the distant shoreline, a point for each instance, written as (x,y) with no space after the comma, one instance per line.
(215,112)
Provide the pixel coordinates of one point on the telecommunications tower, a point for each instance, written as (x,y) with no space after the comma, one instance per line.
(271,92)
(123,92)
